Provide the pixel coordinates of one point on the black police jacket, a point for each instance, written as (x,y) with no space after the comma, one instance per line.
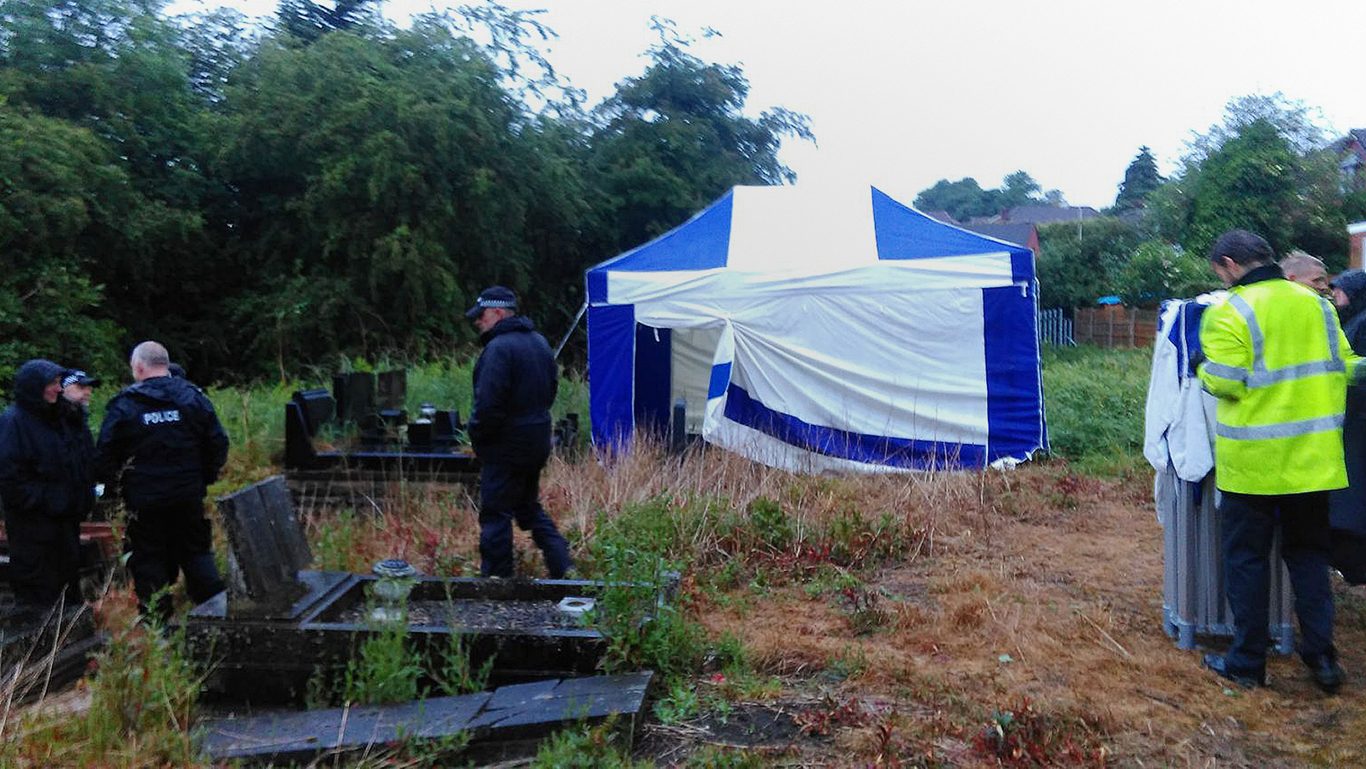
(46,455)
(515,381)
(161,442)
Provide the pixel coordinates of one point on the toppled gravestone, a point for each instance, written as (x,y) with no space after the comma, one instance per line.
(267,551)
(506,722)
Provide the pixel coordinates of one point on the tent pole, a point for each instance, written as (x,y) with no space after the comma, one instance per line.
(582,309)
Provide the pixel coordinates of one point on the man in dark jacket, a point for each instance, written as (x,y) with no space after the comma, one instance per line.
(1347,507)
(162,443)
(515,380)
(47,486)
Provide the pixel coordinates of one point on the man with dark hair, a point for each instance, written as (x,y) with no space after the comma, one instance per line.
(515,380)
(47,486)
(162,441)
(1277,361)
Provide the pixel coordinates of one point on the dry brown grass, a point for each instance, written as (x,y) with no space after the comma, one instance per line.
(1036,592)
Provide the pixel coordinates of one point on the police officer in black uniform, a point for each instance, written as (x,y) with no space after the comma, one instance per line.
(515,380)
(163,444)
(47,487)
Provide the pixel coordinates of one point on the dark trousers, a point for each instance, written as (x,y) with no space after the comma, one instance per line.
(165,540)
(511,492)
(44,560)
(1249,523)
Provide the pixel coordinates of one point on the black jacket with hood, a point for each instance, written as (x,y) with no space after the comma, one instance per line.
(515,381)
(162,442)
(46,457)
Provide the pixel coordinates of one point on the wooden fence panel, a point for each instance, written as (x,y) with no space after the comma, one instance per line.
(1115,326)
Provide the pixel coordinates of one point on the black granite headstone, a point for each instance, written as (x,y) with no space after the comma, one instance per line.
(392,394)
(268,548)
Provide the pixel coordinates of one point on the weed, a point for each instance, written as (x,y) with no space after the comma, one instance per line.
(386,670)
(142,699)
(770,523)
(831,713)
(1020,735)
(457,676)
(594,748)
(336,543)
(681,704)
(863,608)
(851,663)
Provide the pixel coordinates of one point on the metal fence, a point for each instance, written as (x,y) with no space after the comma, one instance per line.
(1055,328)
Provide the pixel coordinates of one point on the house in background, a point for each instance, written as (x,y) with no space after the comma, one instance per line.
(1356,233)
(1037,215)
(1026,235)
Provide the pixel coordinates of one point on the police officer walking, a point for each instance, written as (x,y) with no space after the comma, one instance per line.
(515,380)
(47,487)
(1278,363)
(163,444)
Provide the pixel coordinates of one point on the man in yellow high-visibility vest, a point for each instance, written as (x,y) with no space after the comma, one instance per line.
(1278,363)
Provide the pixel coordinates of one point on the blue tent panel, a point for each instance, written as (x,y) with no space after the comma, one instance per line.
(1014,408)
(611,368)
(904,233)
(860,447)
(700,243)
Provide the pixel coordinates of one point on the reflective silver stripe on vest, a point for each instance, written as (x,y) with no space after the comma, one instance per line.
(1254,330)
(1264,378)
(1226,372)
(1261,376)
(1330,317)
(1281,430)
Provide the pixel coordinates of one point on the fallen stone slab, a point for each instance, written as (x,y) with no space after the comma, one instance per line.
(509,720)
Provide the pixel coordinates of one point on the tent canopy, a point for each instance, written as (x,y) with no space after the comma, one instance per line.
(818,331)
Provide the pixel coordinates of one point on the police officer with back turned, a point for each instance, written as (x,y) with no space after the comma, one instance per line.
(163,443)
(515,380)
(1278,364)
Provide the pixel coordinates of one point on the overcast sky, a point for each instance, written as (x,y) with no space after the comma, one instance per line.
(901,94)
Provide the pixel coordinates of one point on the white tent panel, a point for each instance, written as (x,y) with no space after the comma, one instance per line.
(811,229)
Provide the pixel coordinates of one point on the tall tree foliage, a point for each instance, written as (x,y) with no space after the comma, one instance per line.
(673,139)
(1140,179)
(262,199)
(1079,263)
(965,198)
(117,69)
(60,191)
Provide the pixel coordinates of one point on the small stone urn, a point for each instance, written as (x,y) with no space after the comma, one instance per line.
(396,580)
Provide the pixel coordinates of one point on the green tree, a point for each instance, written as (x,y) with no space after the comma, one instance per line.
(1079,263)
(1140,179)
(962,199)
(965,198)
(1158,271)
(382,183)
(1248,183)
(675,138)
(60,189)
(116,68)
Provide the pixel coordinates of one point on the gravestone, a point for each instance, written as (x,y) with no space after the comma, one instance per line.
(393,390)
(268,550)
(507,721)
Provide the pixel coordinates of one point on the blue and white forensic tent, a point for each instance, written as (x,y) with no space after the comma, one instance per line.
(816,330)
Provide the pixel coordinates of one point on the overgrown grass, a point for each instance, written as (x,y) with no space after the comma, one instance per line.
(142,699)
(1094,401)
